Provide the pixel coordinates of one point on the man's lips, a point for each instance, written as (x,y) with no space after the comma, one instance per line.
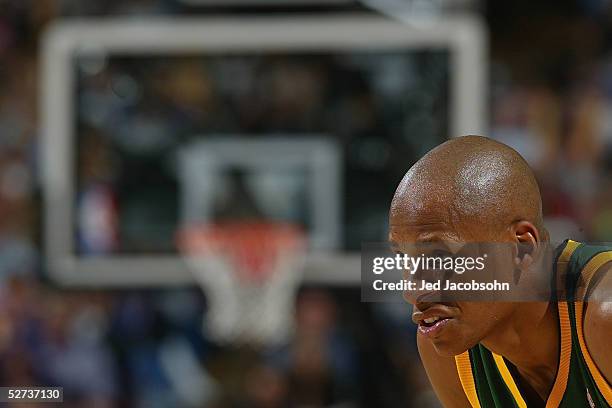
(435,311)
(433,318)
(434,329)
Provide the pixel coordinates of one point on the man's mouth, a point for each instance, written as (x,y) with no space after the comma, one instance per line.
(433,319)
(432,326)
(430,322)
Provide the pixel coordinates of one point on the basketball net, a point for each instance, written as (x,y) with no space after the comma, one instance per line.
(250,272)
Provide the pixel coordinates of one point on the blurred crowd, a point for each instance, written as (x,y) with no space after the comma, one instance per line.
(568,142)
(147,348)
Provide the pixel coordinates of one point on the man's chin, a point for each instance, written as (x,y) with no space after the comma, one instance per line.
(446,348)
(450,351)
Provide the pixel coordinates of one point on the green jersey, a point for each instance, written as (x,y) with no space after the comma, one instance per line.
(489,383)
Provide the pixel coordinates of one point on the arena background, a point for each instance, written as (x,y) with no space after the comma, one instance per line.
(548,93)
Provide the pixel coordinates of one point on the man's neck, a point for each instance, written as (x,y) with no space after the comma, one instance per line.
(529,339)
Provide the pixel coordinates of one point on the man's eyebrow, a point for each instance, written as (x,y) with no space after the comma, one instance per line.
(430,236)
(434,238)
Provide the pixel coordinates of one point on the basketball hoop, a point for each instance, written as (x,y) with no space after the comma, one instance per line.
(250,272)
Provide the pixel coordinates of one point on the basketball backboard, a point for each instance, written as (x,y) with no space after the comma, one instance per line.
(317,118)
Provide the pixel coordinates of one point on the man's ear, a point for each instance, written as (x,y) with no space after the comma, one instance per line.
(525,232)
(527,238)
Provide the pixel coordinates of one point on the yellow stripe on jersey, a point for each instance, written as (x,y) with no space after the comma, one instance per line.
(464,369)
(507,377)
(565,328)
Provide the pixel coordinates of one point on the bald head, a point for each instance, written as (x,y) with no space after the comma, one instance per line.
(470,179)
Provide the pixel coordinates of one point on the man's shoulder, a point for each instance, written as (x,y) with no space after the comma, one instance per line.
(598,321)
(600,290)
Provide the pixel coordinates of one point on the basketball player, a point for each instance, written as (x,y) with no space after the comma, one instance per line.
(504,354)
